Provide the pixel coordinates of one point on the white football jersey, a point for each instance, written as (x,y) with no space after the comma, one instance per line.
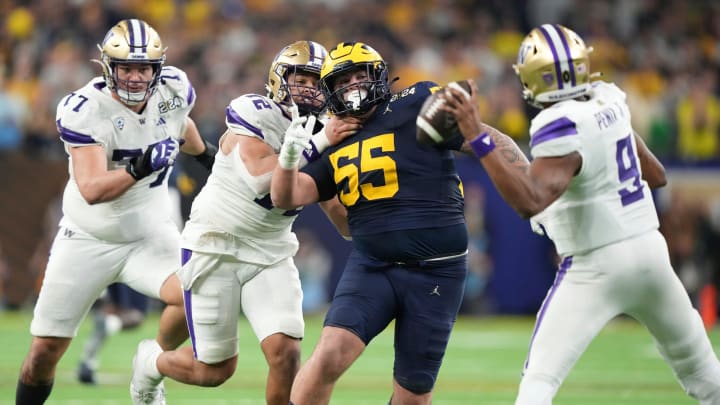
(90,116)
(607,201)
(232,216)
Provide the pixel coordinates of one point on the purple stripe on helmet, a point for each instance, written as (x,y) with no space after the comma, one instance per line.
(143,37)
(233,118)
(558,72)
(191,95)
(564,266)
(71,136)
(131,32)
(555,129)
(312,50)
(567,52)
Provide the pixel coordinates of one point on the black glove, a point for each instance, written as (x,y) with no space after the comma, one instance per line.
(157,156)
(207,158)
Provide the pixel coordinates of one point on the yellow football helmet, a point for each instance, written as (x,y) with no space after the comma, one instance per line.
(553,65)
(356,99)
(299,57)
(131,41)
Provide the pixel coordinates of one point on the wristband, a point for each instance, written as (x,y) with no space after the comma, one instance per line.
(482,145)
(207,157)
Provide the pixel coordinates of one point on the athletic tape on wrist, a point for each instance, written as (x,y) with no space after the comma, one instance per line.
(289,156)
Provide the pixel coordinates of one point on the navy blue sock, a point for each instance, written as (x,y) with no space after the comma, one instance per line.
(32,394)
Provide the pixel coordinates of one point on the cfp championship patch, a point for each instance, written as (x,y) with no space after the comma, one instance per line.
(169,105)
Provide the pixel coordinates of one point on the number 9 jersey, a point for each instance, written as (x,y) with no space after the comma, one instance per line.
(607,201)
(90,116)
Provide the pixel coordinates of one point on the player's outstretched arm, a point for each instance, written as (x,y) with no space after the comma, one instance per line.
(290,189)
(652,170)
(527,187)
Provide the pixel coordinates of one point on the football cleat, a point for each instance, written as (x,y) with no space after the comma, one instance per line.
(85,374)
(146,386)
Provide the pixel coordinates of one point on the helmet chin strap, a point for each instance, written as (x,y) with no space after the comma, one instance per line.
(131,98)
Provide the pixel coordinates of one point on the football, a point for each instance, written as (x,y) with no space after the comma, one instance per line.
(434,126)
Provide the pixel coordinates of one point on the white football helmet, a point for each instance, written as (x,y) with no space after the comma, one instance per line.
(553,65)
(299,57)
(131,41)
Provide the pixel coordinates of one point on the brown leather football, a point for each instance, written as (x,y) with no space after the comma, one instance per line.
(434,125)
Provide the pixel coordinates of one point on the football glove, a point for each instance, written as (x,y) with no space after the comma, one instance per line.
(156,156)
(297,139)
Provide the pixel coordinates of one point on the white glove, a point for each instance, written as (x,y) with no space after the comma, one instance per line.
(297,138)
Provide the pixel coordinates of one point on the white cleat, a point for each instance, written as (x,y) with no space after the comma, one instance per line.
(146,386)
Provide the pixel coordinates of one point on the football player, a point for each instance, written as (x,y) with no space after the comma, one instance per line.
(119,308)
(588,189)
(405,211)
(122,132)
(238,248)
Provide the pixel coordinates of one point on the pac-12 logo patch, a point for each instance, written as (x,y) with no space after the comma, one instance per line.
(119,123)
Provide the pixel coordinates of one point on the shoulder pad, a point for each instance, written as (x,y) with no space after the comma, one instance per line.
(252,114)
(79,115)
(553,134)
(177,83)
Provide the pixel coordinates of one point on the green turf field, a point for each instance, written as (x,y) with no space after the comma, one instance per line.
(482,366)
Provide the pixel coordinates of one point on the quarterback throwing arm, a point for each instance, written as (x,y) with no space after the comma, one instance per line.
(588,189)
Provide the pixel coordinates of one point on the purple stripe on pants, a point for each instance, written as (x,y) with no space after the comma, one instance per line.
(185,255)
(564,266)
(187,297)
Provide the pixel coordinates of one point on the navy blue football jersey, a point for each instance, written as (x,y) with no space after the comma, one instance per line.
(386,179)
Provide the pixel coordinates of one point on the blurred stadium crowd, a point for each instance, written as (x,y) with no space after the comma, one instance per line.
(664,53)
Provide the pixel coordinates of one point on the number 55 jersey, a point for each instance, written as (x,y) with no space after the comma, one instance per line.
(607,201)
(393,186)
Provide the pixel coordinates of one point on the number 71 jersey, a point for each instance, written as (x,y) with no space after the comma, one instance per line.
(607,201)
(90,116)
